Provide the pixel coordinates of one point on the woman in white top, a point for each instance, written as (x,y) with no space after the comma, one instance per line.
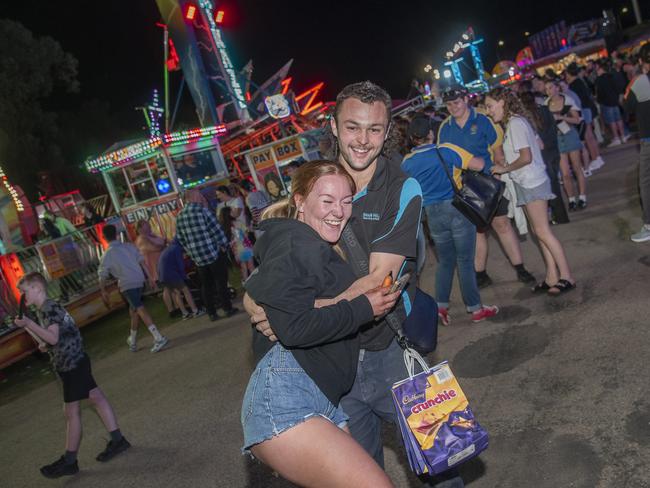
(234,202)
(525,166)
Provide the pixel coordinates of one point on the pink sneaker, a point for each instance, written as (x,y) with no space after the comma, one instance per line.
(443,316)
(484,312)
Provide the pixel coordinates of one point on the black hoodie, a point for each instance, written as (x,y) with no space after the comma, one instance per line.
(296,268)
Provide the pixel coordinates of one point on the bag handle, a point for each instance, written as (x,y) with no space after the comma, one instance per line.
(444,167)
(411,356)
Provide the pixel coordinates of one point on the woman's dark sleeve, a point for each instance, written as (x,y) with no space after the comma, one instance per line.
(286,286)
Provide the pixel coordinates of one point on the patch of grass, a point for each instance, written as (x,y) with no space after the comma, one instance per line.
(101,339)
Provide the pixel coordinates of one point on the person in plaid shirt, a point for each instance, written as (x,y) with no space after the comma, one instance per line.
(205,242)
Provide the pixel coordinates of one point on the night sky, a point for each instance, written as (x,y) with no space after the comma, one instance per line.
(120,50)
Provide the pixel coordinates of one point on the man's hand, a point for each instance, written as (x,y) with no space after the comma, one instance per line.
(258,318)
(42,347)
(498,169)
(265,329)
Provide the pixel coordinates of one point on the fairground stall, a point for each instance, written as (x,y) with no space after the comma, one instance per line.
(268,164)
(145,179)
(69,263)
(559,45)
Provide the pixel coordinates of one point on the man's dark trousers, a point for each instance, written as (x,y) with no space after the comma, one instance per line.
(214,281)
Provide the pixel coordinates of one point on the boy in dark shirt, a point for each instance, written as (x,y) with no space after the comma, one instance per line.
(607,95)
(59,336)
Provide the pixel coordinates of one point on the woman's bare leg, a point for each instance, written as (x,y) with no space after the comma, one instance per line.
(316,453)
(567,179)
(576,164)
(537,214)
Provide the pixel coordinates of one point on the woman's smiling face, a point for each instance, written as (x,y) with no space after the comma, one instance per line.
(327,207)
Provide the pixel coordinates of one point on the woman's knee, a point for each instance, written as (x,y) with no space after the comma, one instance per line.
(501,225)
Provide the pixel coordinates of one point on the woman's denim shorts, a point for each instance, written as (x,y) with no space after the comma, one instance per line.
(280,395)
(569,142)
(540,192)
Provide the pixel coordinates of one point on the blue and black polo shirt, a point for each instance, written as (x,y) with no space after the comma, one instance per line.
(424,164)
(386,219)
(479,136)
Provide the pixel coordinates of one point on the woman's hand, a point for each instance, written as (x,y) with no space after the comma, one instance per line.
(381,300)
(498,169)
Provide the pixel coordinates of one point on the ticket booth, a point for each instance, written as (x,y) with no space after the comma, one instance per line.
(145,180)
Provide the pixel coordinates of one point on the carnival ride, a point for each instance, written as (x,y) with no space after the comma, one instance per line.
(245,131)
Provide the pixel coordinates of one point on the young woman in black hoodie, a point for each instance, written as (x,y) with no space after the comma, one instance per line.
(291,415)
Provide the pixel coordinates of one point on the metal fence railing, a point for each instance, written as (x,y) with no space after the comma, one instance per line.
(69,263)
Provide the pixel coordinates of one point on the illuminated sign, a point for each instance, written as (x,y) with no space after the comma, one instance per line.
(145,213)
(233,83)
(12,191)
(310,105)
(277,106)
(287,149)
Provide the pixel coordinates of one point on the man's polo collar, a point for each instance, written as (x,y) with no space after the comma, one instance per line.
(471,118)
(378,180)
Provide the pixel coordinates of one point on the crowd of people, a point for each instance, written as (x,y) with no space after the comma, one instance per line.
(313,262)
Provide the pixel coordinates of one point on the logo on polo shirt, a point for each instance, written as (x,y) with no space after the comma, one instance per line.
(370,216)
(473,129)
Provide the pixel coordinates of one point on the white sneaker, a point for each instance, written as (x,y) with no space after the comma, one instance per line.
(198,313)
(615,142)
(627,137)
(642,236)
(158,345)
(133,347)
(596,164)
(187,315)
(586,172)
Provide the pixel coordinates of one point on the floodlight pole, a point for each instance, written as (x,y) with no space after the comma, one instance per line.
(637,11)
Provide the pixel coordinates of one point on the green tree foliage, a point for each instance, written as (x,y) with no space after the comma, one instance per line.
(32,72)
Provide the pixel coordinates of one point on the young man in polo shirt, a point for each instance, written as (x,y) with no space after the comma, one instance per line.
(385,219)
(477,134)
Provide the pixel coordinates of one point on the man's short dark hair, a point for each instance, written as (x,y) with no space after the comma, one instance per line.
(110,232)
(366,92)
(573,69)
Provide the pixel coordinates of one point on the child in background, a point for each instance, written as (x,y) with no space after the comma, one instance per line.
(171,273)
(64,344)
(241,246)
(124,262)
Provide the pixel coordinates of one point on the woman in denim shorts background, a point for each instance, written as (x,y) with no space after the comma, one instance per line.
(526,168)
(567,116)
(290,415)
